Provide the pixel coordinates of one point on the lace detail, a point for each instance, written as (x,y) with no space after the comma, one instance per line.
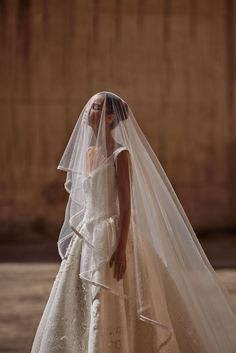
(115,338)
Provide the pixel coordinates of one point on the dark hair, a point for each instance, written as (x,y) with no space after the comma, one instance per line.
(118,107)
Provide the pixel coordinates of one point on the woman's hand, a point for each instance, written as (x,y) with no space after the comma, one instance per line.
(119,259)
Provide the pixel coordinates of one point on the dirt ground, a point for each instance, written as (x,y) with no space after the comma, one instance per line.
(25,288)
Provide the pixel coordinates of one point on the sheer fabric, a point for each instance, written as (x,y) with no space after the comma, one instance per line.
(165,248)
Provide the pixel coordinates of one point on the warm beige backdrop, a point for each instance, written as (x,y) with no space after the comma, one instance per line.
(172,61)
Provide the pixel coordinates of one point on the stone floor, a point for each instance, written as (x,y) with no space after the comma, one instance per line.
(25,288)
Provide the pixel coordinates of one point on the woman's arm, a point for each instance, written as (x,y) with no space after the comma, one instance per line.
(123,186)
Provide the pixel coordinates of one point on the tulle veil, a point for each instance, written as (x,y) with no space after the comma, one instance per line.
(166,251)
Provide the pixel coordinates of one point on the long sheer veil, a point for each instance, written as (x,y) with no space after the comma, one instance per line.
(166,251)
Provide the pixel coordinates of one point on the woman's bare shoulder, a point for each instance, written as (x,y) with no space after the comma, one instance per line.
(123,158)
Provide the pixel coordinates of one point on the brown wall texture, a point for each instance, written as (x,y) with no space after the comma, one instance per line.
(174,63)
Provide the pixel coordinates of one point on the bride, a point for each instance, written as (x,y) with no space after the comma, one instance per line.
(133,275)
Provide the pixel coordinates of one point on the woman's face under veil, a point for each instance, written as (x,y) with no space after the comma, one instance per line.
(96,112)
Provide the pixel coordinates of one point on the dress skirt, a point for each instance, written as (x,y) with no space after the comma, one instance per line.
(80,317)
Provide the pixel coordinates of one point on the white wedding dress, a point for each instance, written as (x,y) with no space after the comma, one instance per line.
(81,317)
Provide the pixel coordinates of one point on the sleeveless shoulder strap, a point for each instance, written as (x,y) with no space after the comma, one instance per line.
(117,151)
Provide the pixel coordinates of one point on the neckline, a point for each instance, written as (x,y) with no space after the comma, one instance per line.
(104,163)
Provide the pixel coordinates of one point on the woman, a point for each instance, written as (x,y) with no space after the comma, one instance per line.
(133,276)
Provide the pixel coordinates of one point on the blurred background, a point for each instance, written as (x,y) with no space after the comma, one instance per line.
(173,62)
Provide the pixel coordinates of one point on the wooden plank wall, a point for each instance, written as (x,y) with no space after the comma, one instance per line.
(174,63)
